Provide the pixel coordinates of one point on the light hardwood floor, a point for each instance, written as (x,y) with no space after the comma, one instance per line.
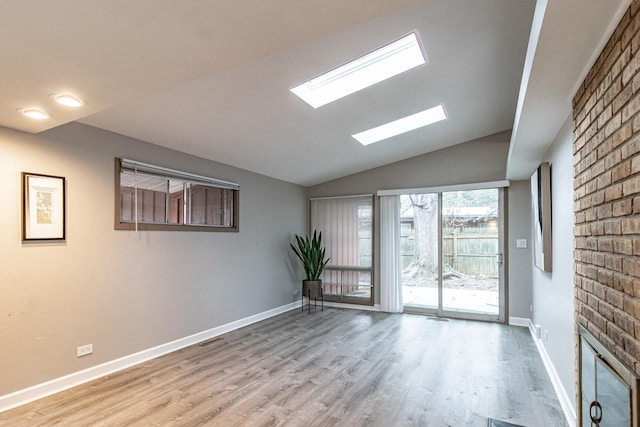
(332,367)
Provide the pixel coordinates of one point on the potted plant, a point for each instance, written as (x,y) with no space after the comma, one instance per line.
(312,255)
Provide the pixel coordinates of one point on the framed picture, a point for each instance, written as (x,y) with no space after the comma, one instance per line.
(43,207)
(541,211)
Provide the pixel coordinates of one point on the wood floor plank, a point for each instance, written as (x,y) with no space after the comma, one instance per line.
(328,368)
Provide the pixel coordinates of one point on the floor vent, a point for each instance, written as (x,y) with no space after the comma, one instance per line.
(440,319)
(496,423)
(207,342)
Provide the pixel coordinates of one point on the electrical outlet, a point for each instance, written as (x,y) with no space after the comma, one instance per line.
(521,243)
(84,350)
(295,291)
(531,308)
(546,335)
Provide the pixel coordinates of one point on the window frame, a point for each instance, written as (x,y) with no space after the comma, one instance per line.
(342,269)
(179,175)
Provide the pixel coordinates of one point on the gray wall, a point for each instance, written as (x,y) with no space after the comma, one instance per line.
(125,291)
(480,160)
(520,259)
(553,292)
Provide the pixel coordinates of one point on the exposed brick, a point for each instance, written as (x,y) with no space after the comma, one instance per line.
(612,57)
(606,193)
(624,284)
(635,165)
(598,229)
(603,180)
(622,135)
(616,334)
(635,84)
(630,306)
(613,193)
(621,29)
(634,8)
(605,148)
(613,125)
(579,140)
(630,225)
(621,171)
(613,262)
(606,311)
(632,147)
(597,259)
(600,290)
(624,322)
(609,96)
(632,347)
(604,117)
(605,211)
(581,295)
(635,124)
(631,186)
(603,86)
(623,246)
(617,300)
(612,228)
(630,70)
(599,197)
(621,99)
(597,110)
(623,207)
(612,158)
(591,272)
(605,281)
(599,321)
(631,266)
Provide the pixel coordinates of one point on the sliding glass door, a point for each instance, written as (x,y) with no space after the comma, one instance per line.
(451,253)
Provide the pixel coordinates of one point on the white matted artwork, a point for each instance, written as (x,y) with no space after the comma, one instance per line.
(541,212)
(43,207)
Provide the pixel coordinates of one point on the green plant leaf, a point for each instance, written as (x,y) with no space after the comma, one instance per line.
(311,254)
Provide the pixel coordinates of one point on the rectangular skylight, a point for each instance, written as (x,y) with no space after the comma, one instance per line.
(381,64)
(405,124)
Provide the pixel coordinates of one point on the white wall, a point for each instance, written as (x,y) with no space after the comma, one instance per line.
(124,291)
(553,292)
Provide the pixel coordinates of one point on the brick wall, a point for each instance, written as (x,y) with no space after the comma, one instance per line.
(606,116)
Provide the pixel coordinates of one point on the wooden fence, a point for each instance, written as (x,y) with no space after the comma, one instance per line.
(473,254)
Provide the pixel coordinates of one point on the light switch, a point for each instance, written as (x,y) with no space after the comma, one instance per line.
(521,243)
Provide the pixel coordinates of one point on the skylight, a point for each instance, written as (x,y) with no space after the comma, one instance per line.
(381,64)
(405,124)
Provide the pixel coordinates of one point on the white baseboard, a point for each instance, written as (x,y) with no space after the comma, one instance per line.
(48,388)
(519,321)
(565,401)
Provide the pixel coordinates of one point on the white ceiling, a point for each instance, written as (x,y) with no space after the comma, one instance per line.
(211,78)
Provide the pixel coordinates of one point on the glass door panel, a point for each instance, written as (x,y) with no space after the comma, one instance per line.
(470,252)
(419,251)
(450,251)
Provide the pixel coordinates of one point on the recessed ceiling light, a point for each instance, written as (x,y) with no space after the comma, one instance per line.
(402,125)
(34,113)
(381,64)
(68,100)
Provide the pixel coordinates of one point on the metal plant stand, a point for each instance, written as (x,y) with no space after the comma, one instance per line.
(316,287)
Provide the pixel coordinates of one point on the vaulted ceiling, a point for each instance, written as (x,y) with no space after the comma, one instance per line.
(212,78)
